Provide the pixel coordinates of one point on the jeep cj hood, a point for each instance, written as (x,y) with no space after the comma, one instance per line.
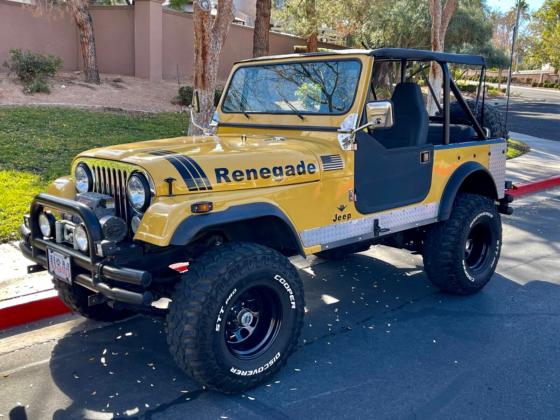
(218,163)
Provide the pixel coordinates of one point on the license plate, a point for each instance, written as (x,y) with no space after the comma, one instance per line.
(59,265)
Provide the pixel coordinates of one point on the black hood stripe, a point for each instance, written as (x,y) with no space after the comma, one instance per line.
(200,172)
(190,171)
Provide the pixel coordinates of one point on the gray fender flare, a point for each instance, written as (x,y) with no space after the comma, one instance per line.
(192,225)
(454,184)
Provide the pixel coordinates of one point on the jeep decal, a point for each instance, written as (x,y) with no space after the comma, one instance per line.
(277,172)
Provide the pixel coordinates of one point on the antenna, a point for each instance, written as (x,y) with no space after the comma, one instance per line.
(514,36)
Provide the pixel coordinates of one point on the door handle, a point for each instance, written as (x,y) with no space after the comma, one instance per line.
(425,156)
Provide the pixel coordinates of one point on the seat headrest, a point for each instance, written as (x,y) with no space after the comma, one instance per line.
(407,89)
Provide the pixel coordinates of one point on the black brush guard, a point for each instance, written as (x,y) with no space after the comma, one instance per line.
(95,273)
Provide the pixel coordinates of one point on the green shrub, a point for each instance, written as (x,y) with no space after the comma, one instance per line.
(185,95)
(33,69)
(218,95)
(37,86)
(463,87)
(534,84)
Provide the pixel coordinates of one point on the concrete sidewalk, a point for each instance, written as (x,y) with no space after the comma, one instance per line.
(543,161)
(14,280)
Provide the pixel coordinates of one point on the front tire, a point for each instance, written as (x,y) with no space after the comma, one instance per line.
(236,316)
(461,253)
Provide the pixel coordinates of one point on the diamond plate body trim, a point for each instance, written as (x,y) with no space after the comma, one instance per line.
(497,166)
(361,229)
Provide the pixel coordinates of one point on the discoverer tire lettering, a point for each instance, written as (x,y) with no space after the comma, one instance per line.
(204,306)
(261,369)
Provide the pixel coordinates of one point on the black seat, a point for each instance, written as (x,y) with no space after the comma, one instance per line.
(457,133)
(411,123)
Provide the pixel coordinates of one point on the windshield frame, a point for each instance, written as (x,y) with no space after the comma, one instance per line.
(290,112)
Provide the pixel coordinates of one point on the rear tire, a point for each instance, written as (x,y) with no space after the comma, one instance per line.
(76,298)
(461,253)
(236,316)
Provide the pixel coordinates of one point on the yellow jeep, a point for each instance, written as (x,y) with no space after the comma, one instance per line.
(323,154)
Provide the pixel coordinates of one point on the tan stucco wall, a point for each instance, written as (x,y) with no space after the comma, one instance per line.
(21,26)
(113,27)
(146,40)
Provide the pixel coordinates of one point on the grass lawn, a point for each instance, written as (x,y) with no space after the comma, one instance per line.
(516,148)
(37,145)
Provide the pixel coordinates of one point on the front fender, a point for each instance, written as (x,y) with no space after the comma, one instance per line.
(192,225)
(63,187)
(169,222)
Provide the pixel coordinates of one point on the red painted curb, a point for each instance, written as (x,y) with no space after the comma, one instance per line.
(533,187)
(25,309)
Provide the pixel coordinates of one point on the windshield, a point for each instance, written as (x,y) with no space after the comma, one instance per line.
(312,87)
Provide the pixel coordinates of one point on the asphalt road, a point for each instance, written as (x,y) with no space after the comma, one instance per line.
(535,112)
(379,341)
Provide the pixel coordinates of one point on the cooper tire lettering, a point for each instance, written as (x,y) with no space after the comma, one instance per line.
(286,286)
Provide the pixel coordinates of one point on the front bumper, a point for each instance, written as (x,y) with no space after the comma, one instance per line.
(104,275)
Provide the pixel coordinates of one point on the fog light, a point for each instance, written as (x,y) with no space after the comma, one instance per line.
(80,238)
(46,224)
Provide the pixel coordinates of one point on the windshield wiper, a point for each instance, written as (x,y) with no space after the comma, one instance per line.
(242,103)
(293,108)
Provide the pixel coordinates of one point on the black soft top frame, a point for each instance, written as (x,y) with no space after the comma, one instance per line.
(410,54)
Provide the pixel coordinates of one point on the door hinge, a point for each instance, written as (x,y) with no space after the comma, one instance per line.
(352,196)
(378,230)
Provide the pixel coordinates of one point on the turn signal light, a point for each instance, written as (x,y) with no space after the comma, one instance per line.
(202,207)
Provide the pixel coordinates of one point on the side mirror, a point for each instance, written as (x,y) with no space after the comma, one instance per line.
(195,102)
(379,114)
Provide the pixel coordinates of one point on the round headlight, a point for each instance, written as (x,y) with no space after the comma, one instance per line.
(46,224)
(80,238)
(84,179)
(138,192)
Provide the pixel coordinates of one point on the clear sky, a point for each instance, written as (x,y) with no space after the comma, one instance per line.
(504,5)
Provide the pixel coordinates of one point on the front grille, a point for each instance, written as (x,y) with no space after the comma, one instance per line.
(112,181)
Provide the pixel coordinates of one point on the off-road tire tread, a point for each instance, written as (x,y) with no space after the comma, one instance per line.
(493,117)
(209,277)
(441,262)
(76,298)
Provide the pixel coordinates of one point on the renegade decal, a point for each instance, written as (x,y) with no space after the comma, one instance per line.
(332,162)
(277,172)
(190,171)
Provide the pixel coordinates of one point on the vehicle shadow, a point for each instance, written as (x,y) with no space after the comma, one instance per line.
(125,369)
